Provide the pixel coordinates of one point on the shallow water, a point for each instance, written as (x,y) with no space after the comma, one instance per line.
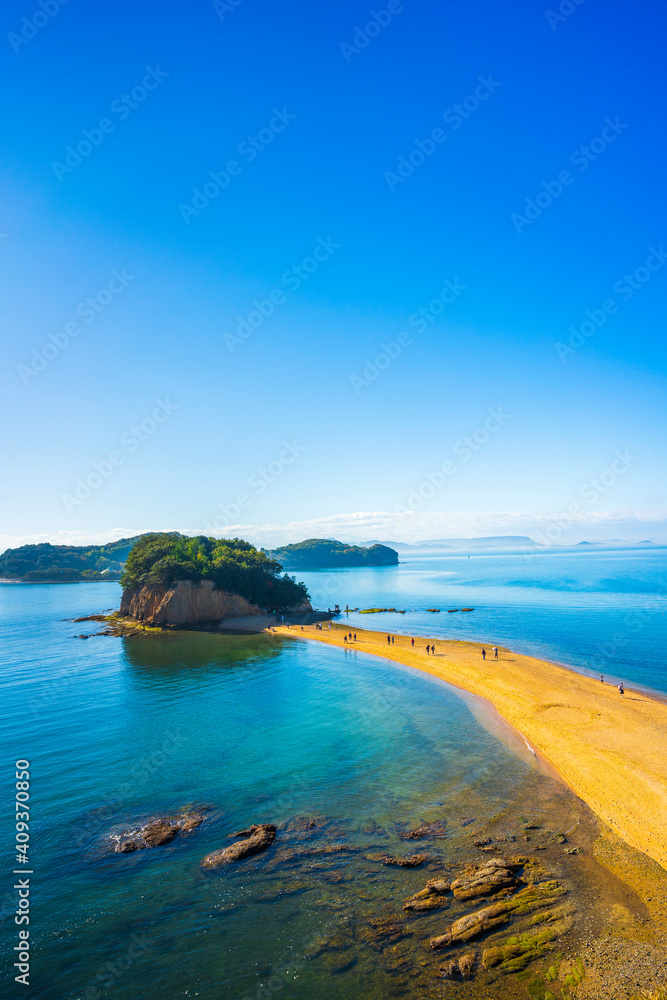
(598,611)
(261,729)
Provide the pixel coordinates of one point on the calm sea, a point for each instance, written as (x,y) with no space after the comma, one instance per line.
(266,729)
(598,611)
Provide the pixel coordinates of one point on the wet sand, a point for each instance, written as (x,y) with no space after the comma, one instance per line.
(611,751)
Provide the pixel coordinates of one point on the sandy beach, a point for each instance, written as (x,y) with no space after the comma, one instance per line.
(610,750)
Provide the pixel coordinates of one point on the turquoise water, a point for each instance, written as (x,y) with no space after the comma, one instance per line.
(262,729)
(600,611)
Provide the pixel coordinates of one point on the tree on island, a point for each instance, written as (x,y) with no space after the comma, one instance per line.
(162,559)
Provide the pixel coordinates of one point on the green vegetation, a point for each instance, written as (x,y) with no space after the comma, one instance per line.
(65,563)
(327,553)
(232,564)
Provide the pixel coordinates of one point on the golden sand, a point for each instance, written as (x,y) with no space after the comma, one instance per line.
(611,750)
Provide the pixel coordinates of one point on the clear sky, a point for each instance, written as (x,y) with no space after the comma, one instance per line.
(217,216)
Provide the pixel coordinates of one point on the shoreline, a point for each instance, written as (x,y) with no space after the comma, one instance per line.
(611,751)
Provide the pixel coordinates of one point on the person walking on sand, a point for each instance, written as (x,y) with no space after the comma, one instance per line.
(412,641)
(428,650)
(389,640)
(483,654)
(602,678)
(621,688)
(355,636)
(344,638)
(495,652)
(433,649)
(392,638)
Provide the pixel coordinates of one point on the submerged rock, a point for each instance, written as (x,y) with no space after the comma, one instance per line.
(435,829)
(463,966)
(256,839)
(413,861)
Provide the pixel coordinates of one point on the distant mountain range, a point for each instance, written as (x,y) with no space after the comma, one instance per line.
(488,542)
(495,543)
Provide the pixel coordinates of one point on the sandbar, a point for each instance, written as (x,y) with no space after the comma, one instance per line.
(610,750)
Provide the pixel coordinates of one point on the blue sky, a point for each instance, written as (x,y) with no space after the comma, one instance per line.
(235,322)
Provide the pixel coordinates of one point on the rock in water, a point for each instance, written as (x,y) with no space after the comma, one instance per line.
(414,861)
(257,839)
(429,898)
(157,832)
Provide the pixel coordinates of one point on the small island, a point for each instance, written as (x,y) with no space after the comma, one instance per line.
(327,553)
(46,563)
(172,579)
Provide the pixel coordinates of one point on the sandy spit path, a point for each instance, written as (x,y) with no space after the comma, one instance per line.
(611,751)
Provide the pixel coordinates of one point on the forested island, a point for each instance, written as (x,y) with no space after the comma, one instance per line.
(46,563)
(176,580)
(327,553)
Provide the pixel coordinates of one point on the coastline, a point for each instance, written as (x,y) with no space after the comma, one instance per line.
(609,750)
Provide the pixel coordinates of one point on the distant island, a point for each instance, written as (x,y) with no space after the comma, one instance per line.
(46,563)
(327,553)
(174,579)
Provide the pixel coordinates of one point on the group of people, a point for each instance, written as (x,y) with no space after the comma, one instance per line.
(495,652)
(349,637)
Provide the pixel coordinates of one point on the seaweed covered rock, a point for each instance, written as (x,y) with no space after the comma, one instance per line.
(516,952)
(530,899)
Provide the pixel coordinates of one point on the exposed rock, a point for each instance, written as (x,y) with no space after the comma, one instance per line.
(413,861)
(436,829)
(429,898)
(157,832)
(533,897)
(487,879)
(256,839)
(187,603)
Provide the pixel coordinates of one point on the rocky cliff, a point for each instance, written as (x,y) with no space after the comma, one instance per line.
(187,603)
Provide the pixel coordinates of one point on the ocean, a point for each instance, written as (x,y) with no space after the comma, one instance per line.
(345,754)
